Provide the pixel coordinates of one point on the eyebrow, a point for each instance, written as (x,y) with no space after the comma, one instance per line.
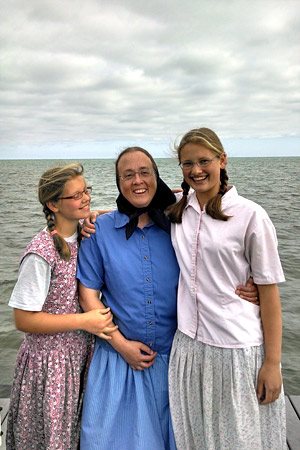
(140,168)
(77,192)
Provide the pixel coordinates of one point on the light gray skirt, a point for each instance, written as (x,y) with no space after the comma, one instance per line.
(213,399)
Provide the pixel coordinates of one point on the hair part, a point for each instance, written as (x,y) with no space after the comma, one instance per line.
(133,150)
(208,139)
(50,188)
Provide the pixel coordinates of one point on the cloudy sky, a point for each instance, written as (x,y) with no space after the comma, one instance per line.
(85,78)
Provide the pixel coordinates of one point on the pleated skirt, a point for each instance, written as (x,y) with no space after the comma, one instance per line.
(125,409)
(213,399)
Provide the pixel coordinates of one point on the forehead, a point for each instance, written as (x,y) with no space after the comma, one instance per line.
(133,161)
(75,184)
(193,150)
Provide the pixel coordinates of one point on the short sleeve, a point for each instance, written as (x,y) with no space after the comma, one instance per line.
(90,271)
(33,283)
(262,250)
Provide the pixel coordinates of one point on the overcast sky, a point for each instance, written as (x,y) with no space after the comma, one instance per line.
(85,78)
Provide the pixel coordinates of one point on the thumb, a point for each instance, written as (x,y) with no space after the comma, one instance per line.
(250,282)
(260,390)
(93,216)
(146,349)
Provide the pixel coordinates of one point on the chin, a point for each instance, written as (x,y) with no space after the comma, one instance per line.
(141,204)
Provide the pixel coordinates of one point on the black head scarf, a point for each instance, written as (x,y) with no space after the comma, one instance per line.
(163,198)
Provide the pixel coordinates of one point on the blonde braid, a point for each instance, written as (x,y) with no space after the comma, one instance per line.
(214,205)
(50,189)
(59,242)
(174,212)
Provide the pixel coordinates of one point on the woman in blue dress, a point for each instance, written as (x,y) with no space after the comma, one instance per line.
(133,264)
(131,261)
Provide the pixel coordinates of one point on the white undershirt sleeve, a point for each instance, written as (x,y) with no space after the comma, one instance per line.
(33,283)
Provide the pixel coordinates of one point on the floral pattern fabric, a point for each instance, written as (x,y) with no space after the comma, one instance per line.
(213,399)
(50,370)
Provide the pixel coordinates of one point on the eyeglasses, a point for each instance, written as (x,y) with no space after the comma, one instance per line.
(187,165)
(78,195)
(143,174)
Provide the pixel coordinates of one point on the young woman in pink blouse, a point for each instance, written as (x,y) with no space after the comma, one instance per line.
(225,375)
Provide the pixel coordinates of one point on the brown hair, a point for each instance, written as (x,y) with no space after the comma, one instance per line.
(132,150)
(50,188)
(208,139)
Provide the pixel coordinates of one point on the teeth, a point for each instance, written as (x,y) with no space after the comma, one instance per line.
(139,191)
(199,178)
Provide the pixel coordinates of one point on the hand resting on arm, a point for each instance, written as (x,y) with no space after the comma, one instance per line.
(138,355)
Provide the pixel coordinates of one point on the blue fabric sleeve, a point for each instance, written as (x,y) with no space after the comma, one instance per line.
(90,271)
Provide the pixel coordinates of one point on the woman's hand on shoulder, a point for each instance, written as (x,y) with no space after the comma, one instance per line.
(88,226)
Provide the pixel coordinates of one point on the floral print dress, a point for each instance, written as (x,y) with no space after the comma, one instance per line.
(50,369)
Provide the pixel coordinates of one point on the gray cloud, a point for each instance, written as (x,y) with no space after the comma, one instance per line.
(91,71)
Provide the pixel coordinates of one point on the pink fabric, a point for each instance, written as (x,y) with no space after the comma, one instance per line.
(214,257)
(50,369)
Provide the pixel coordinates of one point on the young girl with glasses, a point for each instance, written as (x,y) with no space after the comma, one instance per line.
(52,360)
(225,377)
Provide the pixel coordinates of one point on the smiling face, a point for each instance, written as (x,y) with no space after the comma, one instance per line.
(69,209)
(140,189)
(204,180)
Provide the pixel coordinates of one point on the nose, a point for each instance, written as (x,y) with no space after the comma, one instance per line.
(137,178)
(197,167)
(86,195)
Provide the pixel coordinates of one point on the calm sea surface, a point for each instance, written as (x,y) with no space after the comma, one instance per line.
(272,182)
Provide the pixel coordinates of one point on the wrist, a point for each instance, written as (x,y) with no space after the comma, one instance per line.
(118,341)
(272,361)
(80,321)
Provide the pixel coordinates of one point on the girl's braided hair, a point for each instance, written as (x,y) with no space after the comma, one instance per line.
(50,188)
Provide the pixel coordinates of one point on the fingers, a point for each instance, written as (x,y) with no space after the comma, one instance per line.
(249,296)
(104,315)
(144,348)
(148,358)
(142,356)
(260,391)
(269,396)
(106,333)
(89,221)
(111,329)
(248,293)
(248,289)
(104,310)
(88,230)
(85,232)
(253,300)
(143,366)
(268,390)
(145,363)
(104,336)
(93,217)
(88,226)
(103,326)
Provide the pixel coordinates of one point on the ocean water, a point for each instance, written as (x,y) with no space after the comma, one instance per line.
(272,182)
